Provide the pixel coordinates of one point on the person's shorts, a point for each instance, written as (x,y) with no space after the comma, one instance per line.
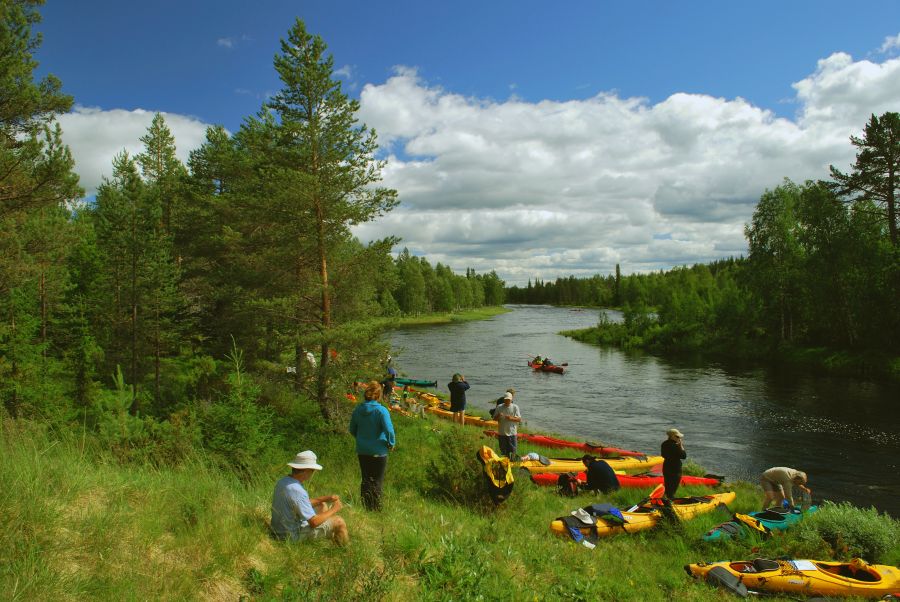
(458,407)
(770,487)
(322,531)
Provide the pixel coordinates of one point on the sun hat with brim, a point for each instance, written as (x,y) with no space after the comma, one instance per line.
(675,432)
(305,459)
(582,515)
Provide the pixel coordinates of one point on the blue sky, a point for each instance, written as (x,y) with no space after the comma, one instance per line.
(538,139)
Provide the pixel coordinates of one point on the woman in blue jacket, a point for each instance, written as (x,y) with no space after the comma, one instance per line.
(371,425)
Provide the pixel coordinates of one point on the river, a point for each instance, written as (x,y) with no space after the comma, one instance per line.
(737,420)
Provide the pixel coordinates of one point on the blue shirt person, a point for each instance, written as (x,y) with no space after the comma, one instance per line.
(295,516)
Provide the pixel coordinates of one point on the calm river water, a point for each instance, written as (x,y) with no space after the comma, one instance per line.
(737,421)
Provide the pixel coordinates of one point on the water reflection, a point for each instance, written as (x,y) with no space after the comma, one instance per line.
(738,420)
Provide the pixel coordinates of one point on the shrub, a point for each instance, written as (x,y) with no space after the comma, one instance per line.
(456,475)
(236,428)
(851,532)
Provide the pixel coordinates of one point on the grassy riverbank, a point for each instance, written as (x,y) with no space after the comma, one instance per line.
(79,525)
(481,313)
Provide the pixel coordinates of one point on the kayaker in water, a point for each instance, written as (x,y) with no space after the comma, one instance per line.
(778,485)
(295,516)
(458,387)
(672,451)
(371,425)
(537,360)
(508,418)
(600,475)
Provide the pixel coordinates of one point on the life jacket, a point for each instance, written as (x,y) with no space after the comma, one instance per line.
(567,484)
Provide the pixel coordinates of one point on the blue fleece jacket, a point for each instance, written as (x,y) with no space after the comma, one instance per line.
(371,425)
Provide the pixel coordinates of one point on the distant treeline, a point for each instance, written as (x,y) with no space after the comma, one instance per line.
(419,288)
(823,271)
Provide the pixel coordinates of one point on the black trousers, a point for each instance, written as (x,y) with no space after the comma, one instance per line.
(671,481)
(372,469)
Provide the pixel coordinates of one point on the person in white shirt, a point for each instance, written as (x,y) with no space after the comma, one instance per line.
(508,418)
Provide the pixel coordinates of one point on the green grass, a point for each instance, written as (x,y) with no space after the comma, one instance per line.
(481,313)
(77,525)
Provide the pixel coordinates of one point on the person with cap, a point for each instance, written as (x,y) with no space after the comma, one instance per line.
(778,485)
(508,418)
(672,451)
(371,425)
(600,475)
(295,516)
(500,400)
(458,387)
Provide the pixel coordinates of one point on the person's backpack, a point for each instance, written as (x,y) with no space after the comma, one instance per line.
(567,484)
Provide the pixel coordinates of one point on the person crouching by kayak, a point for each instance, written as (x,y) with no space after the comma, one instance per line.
(600,475)
(371,425)
(672,451)
(296,517)
(778,485)
(458,387)
(508,418)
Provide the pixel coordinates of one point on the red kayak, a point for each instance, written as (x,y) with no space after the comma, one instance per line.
(630,480)
(600,450)
(546,368)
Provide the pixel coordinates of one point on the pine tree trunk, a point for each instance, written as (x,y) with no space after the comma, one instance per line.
(322,384)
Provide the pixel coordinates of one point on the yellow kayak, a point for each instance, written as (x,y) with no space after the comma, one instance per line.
(498,471)
(560,465)
(472,420)
(643,516)
(805,577)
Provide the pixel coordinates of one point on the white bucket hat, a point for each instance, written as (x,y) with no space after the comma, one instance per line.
(305,459)
(582,515)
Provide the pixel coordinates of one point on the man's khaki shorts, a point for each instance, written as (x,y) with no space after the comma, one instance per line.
(323,530)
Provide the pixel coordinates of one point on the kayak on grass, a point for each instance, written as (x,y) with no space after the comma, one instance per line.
(603,520)
(592,448)
(761,523)
(542,367)
(626,480)
(559,465)
(498,472)
(804,577)
(416,382)
(469,418)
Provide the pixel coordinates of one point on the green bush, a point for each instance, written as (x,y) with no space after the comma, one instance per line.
(236,429)
(850,532)
(456,475)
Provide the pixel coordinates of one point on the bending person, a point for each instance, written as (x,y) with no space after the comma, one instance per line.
(600,475)
(778,485)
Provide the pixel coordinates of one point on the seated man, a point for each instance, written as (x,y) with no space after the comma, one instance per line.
(295,516)
(600,475)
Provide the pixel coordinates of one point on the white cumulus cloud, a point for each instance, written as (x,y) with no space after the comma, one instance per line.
(554,188)
(96,136)
(551,188)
